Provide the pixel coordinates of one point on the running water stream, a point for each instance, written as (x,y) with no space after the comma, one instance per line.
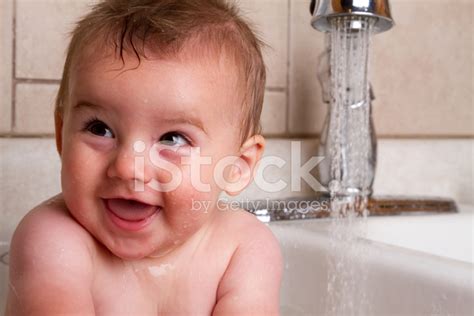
(350,154)
(349,125)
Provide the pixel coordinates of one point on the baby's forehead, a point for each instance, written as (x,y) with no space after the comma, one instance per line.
(212,64)
(201,54)
(219,70)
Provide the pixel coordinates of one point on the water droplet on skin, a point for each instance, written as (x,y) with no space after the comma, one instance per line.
(160,270)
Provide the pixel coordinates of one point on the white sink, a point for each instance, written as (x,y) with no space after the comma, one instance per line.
(413,265)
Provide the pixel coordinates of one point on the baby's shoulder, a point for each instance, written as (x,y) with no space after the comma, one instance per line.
(246,229)
(48,230)
(51,218)
(51,268)
(251,282)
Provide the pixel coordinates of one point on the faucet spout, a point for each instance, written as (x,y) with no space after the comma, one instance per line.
(323,10)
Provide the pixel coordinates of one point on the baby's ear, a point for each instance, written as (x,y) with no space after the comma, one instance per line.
(243,169)
(58,127)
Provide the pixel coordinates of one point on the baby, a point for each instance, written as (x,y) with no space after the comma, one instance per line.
(157,115)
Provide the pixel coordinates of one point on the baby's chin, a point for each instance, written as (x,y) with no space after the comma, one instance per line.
(137,249)
(135,253)
(128,254)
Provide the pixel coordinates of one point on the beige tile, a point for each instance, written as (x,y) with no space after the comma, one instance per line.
(6,45)
(426,167)
(307,111)
(34,108)
(29,174)
(278,152)
(270,17)
(423,70)
(274,113)
(42,28)
(34,30)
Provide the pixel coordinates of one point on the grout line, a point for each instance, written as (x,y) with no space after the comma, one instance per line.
(38,81)
(288,59)
(430,137)
(13,81)
(275,89)
(285,136)
(379,137)
(25,135)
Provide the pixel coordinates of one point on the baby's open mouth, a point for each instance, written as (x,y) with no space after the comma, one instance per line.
(130,214)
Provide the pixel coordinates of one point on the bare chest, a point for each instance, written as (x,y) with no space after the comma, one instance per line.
(159,289)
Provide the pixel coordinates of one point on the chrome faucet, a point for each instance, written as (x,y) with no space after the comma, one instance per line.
(324,10)
(348,140)
(348,23)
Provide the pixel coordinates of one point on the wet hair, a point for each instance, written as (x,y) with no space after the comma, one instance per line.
(169,29)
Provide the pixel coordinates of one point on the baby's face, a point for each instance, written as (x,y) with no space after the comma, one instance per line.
(123,131)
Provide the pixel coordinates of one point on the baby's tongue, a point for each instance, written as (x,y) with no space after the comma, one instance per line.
(131,210)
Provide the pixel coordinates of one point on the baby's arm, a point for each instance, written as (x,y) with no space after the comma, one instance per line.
(50,266)
(251,283)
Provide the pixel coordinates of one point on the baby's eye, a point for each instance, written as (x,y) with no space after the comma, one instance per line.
(99,128)
(173,139)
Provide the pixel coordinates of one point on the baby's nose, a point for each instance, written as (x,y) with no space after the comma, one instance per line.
(128,164)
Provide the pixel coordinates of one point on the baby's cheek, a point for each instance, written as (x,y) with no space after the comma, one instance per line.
(194,200)
(78,175)
(187,211)
(194,204)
